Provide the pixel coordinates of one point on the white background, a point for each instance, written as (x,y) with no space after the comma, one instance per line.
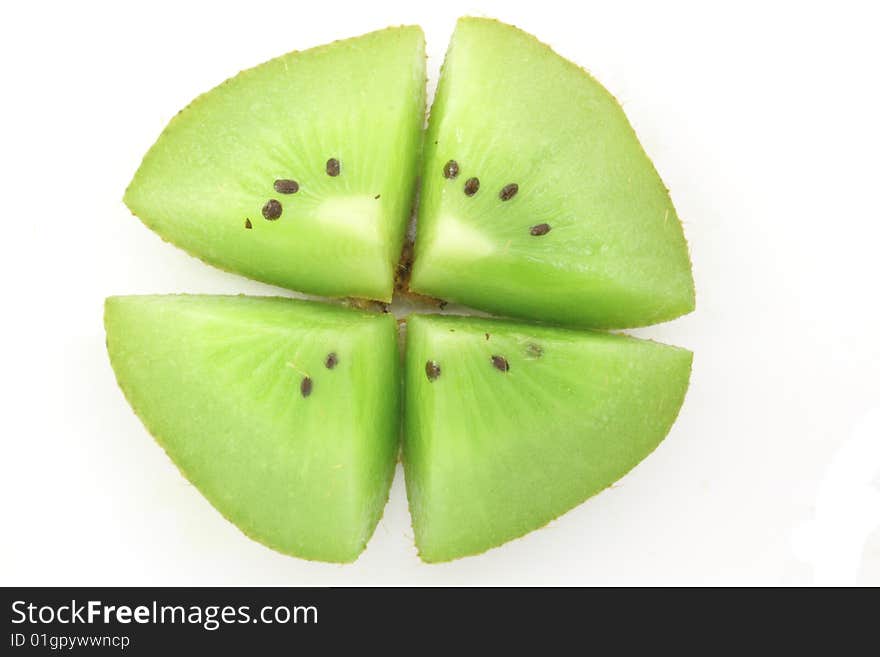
(763,121)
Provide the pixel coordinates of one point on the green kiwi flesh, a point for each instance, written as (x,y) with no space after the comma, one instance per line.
(509,425)
(283,413)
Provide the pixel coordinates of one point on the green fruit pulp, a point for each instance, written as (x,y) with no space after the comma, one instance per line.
(203,185)
(219,382)
(510,111)
(490,455)
(507,424)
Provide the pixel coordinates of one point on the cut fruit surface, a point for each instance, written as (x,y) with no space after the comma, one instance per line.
(283,413)
(298,172)
(537,199)
(508,425)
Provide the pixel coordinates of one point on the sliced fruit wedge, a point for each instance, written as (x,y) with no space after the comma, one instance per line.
(508,425)
(283,413)
(299,172)
(537,199)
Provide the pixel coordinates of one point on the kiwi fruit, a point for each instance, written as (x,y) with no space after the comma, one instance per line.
(537,202)
(283,413)
(299,172)
(537,199)
(513,424)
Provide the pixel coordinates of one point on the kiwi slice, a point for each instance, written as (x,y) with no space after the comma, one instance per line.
(537,202)
(508,425)
(299,172)
(537,199)
(283,413)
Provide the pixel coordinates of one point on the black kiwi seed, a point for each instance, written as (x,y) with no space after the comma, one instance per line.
(331,360)
(540,229)
(508,192)
(500,363)
(306,386)
(285,186)
(432,369)
(248,224)
(333,167)
(450,170)
(272,210)
(471,186)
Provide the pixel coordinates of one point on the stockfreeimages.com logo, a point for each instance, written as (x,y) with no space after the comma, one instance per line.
(210,617)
